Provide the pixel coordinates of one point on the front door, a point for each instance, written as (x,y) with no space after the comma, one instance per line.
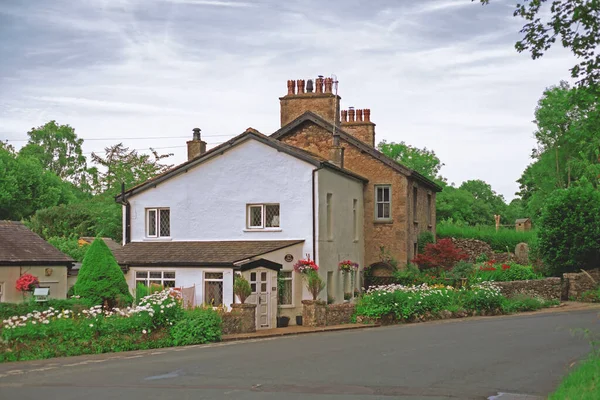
(261,296)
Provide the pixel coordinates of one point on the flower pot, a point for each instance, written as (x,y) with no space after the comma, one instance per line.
(298,319)
(283,322)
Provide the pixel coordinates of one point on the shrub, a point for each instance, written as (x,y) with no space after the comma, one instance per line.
(241,288)
(424,239)
(70,246)
(569,229)
(314,283)
(442,255)
(481,297)
(521,303)
(506,272)
(141,291)
(8,310)
(100,279)
(408,276)
(462,270)
(592,296)
(200,325)
(498,240)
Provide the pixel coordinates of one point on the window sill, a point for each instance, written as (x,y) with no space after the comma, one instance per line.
(355,241)
(383,221)
(263,230)
(158,239)
(286,306)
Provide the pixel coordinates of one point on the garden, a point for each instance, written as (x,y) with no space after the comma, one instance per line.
(101,317)
(440,284)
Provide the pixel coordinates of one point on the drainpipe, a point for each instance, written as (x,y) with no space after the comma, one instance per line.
(314,216)
(125,203)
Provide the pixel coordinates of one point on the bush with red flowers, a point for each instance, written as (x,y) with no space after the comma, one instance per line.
(27,282)
(442,254)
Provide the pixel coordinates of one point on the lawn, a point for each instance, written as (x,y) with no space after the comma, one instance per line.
(583,383)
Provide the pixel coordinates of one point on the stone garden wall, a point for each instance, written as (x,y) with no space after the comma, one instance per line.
(241,319)
(575,284)
(338,314)
(549,288)
(317,313)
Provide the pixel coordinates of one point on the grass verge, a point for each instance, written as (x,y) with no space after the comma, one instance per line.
(583,383)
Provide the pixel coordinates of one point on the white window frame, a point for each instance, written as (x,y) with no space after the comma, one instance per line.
(377,202)
(156,210)
(291,279)
(162,278)
(263,216)
(204,292)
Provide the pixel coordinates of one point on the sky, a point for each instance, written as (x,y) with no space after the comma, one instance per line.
(440,74)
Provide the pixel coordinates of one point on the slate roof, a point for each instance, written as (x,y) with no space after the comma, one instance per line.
(217,253)
(316,119)
(250,133)
(20,246)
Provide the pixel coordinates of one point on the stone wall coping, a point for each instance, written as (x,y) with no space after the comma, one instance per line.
(315,302)
(239,305)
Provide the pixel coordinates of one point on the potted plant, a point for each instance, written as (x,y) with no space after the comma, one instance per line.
(241,288)
(27,283)
(347,296)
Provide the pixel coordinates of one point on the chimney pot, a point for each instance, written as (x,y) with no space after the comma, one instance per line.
(291,86)
(367,114)
(328,85)
(300,83)
(359,115)
(319,84)
(309,86)
(351,114)
(196,135)
(344,116)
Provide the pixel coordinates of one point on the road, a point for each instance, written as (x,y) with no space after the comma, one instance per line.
(460,359)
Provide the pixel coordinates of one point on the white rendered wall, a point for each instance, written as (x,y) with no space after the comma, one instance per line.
(209,201)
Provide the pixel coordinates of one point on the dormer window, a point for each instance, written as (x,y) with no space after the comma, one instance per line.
(158,222)
(262,216)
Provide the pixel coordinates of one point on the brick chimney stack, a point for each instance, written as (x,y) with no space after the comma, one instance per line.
(316,96)
(196,147)
(358,124)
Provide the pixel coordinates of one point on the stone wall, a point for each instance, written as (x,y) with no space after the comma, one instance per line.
(575,284)
(338,314)
(473,248)
(241,319)
(549,288)
(314,313)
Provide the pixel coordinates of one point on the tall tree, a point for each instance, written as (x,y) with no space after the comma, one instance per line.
(122,165)
(58,148)
(423,161)
(575,24)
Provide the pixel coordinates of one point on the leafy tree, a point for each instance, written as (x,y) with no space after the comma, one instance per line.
(58,149)
(70,246)
(423,161)
(454,204)
(569,229)
(574,23)
(122,165)
(100,279)
(26,187)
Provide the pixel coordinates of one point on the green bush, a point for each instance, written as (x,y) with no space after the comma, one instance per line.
(592,296)
(70,246)
(569,230)
(482,298)
(506,272)
(241,288)
(462,270)
(8,310)
(141,291)
(424,239)
(200,325)
(499,241)
(100,279)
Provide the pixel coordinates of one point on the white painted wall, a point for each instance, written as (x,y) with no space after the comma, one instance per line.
(186,277)
(209,201)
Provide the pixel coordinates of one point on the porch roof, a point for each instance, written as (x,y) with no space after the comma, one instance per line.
(196,254)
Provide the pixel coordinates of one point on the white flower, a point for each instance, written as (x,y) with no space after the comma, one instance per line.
(91,325)
(144,331)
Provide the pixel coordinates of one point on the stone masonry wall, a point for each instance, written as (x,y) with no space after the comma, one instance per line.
(549,288)
(575,284)
(241,319)
(314,313)
(338,314)
(392,235)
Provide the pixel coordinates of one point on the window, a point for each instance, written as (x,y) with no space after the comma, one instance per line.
(355,218)
(213,288)
(158,222)
(261,216)
(414,199)
(162,278)
(329,217)
(383,201)
(285,288)
(429,209)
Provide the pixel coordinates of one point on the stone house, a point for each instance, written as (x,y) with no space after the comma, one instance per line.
(253,205)
(24,252)
(399,203)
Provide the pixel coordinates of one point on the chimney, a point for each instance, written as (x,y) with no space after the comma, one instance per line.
(360,127)
(196,147)
(310,95)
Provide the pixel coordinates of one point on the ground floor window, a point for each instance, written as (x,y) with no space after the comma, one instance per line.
(213,288)
(161,278)
(284,284)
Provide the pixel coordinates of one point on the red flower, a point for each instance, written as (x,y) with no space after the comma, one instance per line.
(27,283)
(505,267)
(487,269)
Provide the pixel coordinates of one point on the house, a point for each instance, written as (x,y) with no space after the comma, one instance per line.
(24,252)
(253,205)
(523,224)
(399,203)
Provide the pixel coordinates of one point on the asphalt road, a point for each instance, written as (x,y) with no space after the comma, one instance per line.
(461,359)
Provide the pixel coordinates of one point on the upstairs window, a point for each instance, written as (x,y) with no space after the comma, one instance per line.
(383,202)
(261,216)
(158,222)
